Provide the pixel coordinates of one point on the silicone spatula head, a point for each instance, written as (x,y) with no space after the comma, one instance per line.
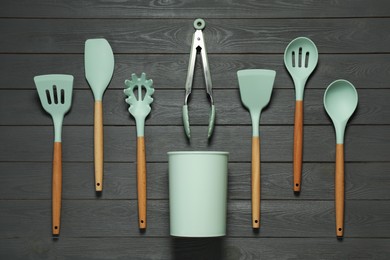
(55,93)
(99,65)
(255,89)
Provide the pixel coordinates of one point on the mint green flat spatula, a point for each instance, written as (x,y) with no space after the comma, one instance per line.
(55,93)
(255,88)
(340,102)
(140,109)
(99,67)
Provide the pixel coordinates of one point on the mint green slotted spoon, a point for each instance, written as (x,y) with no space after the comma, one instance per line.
(300,59)
(140,109)
(55,93)
(99,67)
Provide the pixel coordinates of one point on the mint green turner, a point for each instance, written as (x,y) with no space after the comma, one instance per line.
(140,109)
(340,102)
(99,67)
(55,93)
(256,88)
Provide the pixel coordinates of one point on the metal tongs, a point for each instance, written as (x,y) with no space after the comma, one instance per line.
(198,43)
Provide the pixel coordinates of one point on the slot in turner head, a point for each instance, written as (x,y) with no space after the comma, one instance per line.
(55,94)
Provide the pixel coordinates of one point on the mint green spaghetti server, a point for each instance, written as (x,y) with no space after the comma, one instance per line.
(99,67)
(255,89)
(55,93)
(140,109)
(340,102)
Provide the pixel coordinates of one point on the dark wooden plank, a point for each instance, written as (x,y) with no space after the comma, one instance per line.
(192,248)
(33,143)
(170,70)
(174,35)
(190,9)
(29,181)
(119,218)
(374,108)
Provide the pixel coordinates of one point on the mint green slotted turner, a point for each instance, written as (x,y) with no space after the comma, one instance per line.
(255,88)
(55,93)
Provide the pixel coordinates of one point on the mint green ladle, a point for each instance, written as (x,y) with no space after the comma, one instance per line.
(340,101)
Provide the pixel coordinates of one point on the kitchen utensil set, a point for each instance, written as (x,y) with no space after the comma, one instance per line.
(255,85)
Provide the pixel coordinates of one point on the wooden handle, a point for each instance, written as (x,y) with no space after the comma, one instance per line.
(298,139)
(141,181)
(255,182)
(339,189)
(98,145)
(56,188)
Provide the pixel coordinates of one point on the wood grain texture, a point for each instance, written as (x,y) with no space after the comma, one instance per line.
(174,35)
(373,109)
(187,248)
(98,145)
(119,218)
(31,180)
(192,8)
(255,180)
(120,144)
(154,36)
(56,188)
(141,182)
(298,145)
(169,70)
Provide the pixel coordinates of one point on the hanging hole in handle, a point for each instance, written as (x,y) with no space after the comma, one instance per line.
(142,221)
(55,227)
(256,221)
(340,229)
(297,184)
(98,184)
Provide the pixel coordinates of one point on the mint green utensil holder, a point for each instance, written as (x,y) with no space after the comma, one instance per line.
(198,193)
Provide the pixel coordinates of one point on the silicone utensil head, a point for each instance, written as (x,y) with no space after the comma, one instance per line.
(99,65)
(139,103)
(55,93)
(340,102)
(255,89)
(300,59)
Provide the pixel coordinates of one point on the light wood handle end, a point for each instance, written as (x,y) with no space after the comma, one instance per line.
(56,188)
(298,143)
(339,190)
(255,182)
(98,145)
(141,181)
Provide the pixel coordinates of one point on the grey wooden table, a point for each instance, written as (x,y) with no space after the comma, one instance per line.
(46,36)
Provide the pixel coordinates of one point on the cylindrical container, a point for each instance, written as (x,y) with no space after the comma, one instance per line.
(198,193)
